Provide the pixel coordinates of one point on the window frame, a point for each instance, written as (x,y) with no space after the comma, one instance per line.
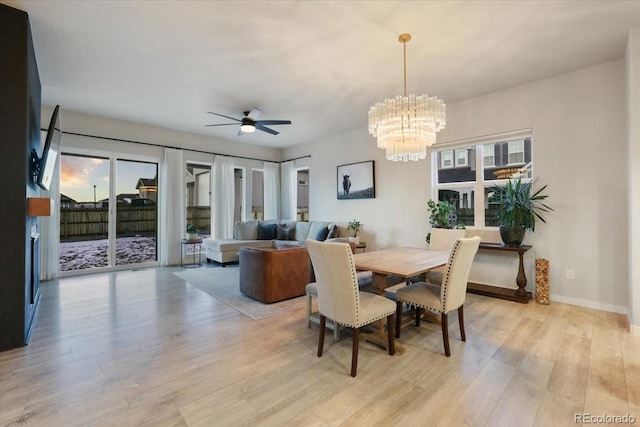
(479,184)
(465,153)
(442,159)
(520,151)
(493,155)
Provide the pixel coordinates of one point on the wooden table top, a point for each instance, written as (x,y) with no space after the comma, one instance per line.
(404,262)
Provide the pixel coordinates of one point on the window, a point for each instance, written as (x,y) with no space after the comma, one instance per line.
(198,182)
(468,185)
(516,151)
(303,195)
(239,189)
(462,159)
(257,194)
(488,152)
(447,159)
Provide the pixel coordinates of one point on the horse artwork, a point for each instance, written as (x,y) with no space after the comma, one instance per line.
(356,181)
(346,183)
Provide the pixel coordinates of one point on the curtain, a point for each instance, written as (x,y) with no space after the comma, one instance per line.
(289,191)
(271,199)
(224,196)
(50,231)
(172,206)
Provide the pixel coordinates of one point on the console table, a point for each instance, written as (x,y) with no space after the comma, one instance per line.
(517,295)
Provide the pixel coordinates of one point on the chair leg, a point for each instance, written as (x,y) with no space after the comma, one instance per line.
(445,333)
(336,331)
(309,308)
(398,318)
(323,324)
(354,351)
(418,316)
(390,322)
(461,322)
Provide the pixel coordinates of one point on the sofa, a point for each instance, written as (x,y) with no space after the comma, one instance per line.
(270,275)
(270,234)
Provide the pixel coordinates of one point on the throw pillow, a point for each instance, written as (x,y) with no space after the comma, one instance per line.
(315,228)
(267,231)
(246,230)
(284,232)
(322,234)
(333,232)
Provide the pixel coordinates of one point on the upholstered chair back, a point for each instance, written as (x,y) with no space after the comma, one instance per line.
(443,238)
(456,273)
(337,281)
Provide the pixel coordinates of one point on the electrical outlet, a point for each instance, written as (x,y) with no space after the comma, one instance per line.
(571,274)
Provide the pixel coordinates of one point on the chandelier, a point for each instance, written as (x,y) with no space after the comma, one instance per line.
(406,125)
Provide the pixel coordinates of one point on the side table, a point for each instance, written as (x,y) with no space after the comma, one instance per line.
(196,249)
(362,245)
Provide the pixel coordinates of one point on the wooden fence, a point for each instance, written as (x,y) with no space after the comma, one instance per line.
(91,224)
(200,216)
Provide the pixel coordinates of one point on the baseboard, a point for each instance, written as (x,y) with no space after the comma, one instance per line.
(590,304)
(635,330)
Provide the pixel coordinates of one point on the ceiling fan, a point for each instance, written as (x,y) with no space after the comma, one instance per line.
(249,123)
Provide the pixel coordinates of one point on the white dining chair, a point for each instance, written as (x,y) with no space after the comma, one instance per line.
(447,297)
(339,298)
(441,240)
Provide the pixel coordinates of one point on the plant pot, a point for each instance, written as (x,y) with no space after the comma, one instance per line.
(192,237)
(512,236)
(355,239)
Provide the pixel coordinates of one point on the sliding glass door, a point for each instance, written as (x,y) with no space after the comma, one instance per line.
(108,212)
(136,224)
(84,212)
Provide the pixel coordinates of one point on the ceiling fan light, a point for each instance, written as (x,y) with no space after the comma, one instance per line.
(247,128)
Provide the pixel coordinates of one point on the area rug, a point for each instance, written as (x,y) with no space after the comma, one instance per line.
(223,284)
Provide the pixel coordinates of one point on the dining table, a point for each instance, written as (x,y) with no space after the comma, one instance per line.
(404,262)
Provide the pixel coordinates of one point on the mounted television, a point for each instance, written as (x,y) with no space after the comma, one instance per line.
(50,151)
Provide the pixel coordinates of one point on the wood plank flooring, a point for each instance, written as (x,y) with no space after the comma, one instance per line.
(138,348)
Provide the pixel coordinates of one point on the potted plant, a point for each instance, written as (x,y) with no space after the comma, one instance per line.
(442,215)
(519,206)
(355,226)
(192,233)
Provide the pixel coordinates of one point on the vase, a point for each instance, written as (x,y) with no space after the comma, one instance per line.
(542,281)
(512,235)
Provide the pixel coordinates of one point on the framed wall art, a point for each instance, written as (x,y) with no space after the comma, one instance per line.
(356,181)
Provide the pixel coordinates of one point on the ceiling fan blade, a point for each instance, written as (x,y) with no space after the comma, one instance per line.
(274,122)
(223,124)
(226,117)
(266,129)
(254,114)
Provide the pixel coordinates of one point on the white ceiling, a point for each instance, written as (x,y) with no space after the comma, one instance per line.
(320,64)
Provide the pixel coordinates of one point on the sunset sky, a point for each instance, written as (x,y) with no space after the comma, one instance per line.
(79,174)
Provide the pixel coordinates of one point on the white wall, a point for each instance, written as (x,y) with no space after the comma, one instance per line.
(397,216)
(117,129)
(633,152)
(579,133)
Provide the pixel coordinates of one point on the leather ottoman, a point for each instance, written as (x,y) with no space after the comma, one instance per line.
(271,275)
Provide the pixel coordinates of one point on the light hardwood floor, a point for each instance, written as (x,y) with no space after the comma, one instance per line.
(138,348)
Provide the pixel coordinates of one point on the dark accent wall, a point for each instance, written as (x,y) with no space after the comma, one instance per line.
(19,134)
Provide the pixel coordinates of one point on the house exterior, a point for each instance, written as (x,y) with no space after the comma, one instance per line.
(148,188)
